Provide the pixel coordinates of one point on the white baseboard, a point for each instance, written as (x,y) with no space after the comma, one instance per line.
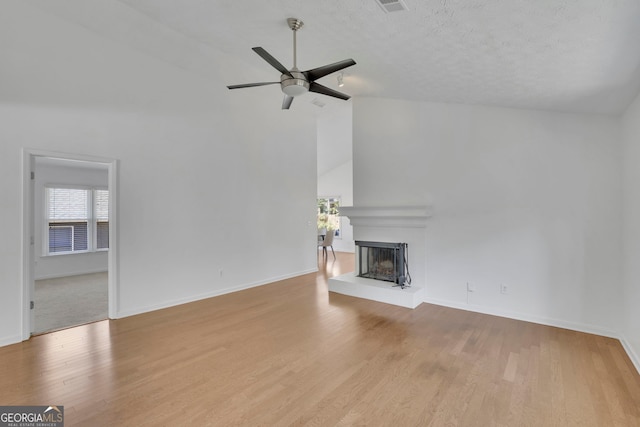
(13,339)
(631,353)
(215,293)
(574,326)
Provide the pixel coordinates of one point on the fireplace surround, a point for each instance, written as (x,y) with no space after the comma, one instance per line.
(387,224)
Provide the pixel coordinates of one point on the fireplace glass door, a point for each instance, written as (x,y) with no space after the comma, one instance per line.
(381,261)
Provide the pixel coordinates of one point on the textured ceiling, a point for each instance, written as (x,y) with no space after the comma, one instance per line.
(561,55)
(576,56)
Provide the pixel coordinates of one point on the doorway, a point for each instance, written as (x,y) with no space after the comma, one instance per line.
(69,262)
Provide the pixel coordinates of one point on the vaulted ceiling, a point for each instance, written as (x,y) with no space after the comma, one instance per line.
(559,55)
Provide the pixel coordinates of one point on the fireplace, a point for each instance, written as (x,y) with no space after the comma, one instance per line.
(372,224)
(384,261)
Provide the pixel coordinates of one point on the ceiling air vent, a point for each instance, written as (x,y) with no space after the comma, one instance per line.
(318,103)
(392,5)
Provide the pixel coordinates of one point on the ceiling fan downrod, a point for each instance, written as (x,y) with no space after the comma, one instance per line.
(295,25)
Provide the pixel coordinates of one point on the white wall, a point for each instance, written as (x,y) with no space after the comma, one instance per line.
(335,134)
(631,155)
(523,198)
(339,182)
(335,164)
(69,264)
(202,170)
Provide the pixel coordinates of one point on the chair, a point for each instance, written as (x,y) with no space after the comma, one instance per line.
(327,242)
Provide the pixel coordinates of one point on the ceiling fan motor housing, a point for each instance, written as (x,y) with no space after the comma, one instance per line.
(294,85)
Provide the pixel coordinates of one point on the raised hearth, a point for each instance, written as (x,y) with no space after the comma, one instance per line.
(376,290)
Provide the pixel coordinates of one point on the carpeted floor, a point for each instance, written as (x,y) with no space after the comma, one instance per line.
(70,301)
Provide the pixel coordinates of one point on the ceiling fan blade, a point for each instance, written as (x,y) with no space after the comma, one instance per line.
(271,60)
(286,102)
(252,85)
(318,88)
(316,73)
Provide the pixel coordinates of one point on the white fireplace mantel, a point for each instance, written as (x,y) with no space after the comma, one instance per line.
(390,224)
(388,216)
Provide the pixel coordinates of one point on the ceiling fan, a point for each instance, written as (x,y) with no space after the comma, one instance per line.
(294,82)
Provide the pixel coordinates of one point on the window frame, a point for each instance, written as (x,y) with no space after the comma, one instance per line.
(92,226)
(96,219)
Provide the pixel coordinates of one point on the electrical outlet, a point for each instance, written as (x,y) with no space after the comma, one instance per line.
(504,289)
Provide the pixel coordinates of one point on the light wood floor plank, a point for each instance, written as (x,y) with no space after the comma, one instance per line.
(290,353)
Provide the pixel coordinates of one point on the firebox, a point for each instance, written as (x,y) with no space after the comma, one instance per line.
(384,261)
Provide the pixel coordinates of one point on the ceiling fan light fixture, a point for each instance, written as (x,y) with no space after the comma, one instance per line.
(294,89)
(340,79)
(295,86)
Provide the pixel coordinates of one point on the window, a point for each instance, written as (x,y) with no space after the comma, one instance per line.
(101,198)
(77,220)
(329,215)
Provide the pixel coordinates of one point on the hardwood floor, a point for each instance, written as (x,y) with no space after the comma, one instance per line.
(289,353)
